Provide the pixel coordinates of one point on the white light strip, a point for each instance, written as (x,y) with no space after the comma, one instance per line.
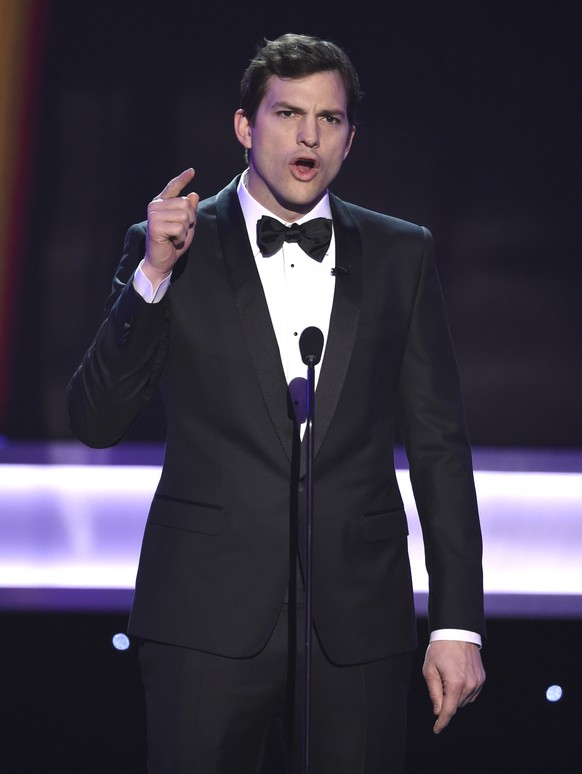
(76,526)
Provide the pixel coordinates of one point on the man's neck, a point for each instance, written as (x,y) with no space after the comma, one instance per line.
(320,208)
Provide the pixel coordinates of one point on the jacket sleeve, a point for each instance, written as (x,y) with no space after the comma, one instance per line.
(122,366)
(432,420)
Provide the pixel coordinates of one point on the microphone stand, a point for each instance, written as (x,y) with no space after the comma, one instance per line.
(311,346)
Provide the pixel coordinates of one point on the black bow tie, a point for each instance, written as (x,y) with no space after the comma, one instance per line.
(313,236)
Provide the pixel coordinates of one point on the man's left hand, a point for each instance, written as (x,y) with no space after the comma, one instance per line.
(454,675)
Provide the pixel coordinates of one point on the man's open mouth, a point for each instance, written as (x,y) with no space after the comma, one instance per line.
(305,163)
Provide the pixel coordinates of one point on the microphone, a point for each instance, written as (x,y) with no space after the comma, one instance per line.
(311,346)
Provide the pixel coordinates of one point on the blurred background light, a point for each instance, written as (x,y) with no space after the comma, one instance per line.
(120,641)
(554,693)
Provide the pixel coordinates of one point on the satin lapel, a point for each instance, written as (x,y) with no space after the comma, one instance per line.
(343,323)
(253,313)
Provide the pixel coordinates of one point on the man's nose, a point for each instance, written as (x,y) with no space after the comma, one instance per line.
(308,133)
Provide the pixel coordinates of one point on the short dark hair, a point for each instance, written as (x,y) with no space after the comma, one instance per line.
(296,56)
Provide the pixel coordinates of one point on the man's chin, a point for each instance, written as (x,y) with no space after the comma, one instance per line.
(300,204)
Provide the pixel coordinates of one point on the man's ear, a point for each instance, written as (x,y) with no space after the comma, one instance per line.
(349,142)
(242,129)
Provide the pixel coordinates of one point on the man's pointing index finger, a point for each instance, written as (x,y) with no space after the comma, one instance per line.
(175,186)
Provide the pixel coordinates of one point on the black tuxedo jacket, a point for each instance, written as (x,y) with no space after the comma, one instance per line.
(216,552)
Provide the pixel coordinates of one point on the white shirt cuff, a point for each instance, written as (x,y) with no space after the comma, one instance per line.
(461,635)
(145,288)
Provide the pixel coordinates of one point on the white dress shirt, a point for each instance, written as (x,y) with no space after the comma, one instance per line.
(298,290)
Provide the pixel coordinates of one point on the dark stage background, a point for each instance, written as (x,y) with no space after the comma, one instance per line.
(471,126)
(76,704)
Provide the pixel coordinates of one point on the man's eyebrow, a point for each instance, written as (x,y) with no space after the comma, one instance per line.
(284,105)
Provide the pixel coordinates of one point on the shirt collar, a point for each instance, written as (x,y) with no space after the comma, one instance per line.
(253,211)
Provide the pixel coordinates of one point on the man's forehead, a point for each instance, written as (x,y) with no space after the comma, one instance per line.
(324,88)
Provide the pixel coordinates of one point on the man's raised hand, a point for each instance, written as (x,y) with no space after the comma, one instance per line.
(170,229)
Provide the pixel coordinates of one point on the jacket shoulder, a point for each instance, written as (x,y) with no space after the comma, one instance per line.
(370,219)
(207,208)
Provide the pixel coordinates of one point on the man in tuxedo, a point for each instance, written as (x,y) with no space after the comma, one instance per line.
(208,303)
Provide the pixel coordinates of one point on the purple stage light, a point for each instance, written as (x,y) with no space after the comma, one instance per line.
(79,527)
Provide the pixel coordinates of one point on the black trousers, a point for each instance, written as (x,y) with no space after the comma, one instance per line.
(207,714)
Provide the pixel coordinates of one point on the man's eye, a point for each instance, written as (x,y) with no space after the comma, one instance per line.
(286,113)
(331,119)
